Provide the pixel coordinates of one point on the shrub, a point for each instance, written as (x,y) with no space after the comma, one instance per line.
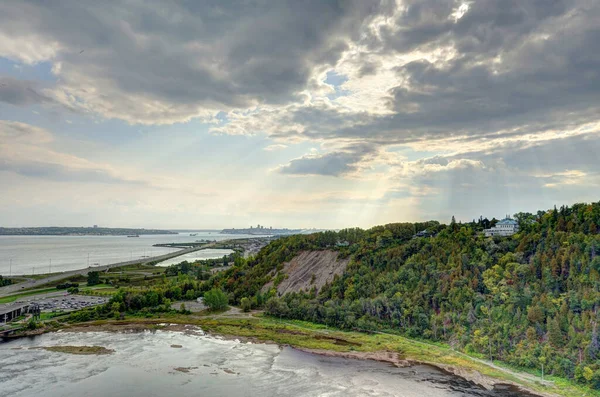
(67,285)
(215,299)
(246,304)
(32,324)
(93,278)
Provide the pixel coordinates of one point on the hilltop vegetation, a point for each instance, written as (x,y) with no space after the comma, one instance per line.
(530,299)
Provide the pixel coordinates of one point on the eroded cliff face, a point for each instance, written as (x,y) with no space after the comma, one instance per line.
(309,269)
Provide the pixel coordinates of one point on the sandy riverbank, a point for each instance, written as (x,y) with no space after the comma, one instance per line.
(343,345)
(396,359)
(393,358)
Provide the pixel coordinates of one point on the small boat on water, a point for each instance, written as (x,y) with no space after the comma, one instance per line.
(193,234)
(134,235)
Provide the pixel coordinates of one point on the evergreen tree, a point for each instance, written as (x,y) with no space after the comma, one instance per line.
(554,333)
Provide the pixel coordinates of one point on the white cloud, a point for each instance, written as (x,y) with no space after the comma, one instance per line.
(274,147)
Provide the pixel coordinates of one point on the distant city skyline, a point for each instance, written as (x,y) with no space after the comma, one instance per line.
(310,114)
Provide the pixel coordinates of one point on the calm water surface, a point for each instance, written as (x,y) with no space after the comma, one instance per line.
(44,254)
(144,364)
(209,253)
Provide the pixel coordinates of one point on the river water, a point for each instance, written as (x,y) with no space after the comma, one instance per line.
(45,254)
(145,364)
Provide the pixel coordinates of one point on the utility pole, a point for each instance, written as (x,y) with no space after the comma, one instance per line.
(50,266)
(10,271)
(88,259)
(542,361)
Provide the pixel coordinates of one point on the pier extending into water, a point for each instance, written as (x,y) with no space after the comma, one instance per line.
(13,288)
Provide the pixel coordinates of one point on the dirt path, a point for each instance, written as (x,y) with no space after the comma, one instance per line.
(236,312)
(520,375)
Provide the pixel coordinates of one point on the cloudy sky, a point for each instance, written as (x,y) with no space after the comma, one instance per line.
(215,113)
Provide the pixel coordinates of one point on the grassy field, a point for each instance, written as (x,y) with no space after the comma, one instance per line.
(71,279)
(138,267)
(12,298)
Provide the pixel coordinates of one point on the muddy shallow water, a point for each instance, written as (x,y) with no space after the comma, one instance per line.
(147,364)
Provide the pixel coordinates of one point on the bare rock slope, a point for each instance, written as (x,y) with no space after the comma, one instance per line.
(308,269)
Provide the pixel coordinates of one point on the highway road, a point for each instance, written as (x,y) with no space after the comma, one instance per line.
(11,289)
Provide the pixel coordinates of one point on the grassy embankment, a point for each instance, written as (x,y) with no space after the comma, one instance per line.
(315,336)
(310,336)
(12,298)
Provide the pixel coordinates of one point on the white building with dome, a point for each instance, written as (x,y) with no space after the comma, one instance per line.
(505,227)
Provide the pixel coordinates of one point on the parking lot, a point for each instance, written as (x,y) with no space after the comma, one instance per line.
(63,301)
(69,302)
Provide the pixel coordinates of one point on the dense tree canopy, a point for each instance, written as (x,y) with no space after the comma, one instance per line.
(93,278)
(527,299)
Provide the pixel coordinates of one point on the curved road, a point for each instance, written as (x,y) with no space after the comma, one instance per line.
(10,289)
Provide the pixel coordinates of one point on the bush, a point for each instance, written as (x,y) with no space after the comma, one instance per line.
(215,299)
(276,307)
(4,281)
(93,278)
(246,304)
(32,324)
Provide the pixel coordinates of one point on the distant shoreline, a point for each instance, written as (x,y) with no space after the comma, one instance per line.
(263,231)
(79,231)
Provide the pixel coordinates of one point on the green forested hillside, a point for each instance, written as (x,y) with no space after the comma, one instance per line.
(529,299)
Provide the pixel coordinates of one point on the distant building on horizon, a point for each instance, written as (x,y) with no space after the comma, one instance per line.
(505,227)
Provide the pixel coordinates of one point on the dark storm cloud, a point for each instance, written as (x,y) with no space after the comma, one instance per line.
(487,27)
(516,65)
(497,69)
(334,163)
(515,61)
(209,54)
